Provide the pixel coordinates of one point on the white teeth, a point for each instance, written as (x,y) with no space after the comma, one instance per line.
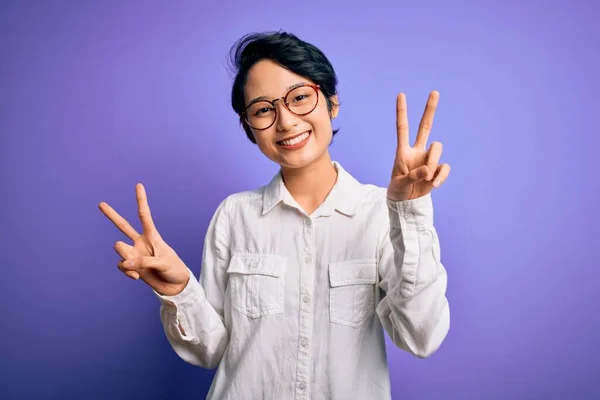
(295,140)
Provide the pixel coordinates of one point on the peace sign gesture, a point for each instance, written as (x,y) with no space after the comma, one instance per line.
(150,258)
(416,171)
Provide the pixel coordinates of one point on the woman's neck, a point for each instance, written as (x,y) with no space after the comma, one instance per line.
(311,184)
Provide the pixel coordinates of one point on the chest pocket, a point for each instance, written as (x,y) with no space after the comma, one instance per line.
(257,283)
(352,291)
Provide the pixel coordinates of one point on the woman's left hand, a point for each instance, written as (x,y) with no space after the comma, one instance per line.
(416,170)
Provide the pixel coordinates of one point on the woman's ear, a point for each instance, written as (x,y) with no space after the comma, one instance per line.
(335,106)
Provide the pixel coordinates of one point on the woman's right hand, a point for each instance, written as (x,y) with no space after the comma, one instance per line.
(150,258)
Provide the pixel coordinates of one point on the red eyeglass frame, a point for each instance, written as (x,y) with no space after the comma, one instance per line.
(243,114)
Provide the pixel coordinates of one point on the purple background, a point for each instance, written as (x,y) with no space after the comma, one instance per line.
(96,97)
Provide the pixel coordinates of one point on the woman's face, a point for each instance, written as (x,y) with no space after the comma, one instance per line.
(269,80)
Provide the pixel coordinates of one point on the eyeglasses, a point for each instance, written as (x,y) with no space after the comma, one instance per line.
(301,100)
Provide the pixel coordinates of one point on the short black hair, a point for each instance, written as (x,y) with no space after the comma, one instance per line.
(287,50)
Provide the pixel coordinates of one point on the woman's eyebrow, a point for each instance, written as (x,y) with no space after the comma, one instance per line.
(295,85)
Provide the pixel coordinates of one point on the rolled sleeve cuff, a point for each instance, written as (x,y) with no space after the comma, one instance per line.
(415,212)
(188,296)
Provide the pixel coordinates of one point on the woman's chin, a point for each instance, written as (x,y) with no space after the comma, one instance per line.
(298,161)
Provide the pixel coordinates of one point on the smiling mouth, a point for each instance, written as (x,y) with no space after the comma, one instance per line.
(295,140)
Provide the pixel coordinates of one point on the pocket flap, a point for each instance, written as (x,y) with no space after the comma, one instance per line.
(254,263)
(353,272)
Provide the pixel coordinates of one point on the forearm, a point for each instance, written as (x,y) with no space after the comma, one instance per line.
(415,311)
(193,327)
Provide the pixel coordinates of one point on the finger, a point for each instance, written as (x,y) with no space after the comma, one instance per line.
(119,221)
(132,274)
(433,158)
(123,250)
(441,175)
(402,120)
(147,262)
(403,184)
(144,208)
(418,174)
(427,120)
(400,167)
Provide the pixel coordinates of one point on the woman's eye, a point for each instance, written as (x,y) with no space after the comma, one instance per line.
(262,111)
(300,97)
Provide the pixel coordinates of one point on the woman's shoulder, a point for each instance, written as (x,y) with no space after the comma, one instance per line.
(373,193)
(245,196)
(241,199)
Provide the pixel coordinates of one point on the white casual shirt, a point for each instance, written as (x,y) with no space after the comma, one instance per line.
(294,306)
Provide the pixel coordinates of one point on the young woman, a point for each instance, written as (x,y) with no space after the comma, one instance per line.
(301,277)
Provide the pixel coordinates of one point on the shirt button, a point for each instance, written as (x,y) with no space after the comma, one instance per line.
(304,343)
(302,386)
(308,259)
(307,222)
(305,299)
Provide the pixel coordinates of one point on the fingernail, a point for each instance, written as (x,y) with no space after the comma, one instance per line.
(128,264)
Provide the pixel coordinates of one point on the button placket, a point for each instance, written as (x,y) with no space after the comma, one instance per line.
(305,321)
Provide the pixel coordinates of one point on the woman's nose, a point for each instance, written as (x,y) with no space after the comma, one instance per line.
(286,120)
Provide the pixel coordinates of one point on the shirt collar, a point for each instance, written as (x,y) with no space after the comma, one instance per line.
(343,196)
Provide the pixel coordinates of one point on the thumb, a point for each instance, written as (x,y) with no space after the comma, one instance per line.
(146,262)
(416,175)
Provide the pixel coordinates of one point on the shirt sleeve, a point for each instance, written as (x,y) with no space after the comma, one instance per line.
(193,320)
(414,310)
